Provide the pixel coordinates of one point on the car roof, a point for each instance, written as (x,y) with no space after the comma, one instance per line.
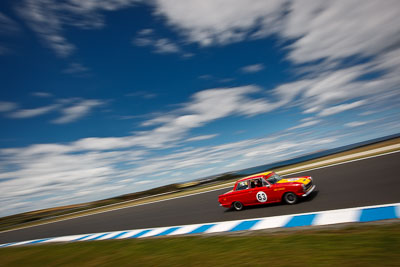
(257,175)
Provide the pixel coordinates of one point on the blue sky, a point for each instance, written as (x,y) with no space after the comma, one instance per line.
(102,98)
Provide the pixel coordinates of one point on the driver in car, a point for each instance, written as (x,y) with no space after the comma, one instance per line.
(257,183)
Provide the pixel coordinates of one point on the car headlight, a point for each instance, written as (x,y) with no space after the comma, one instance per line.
(304,187)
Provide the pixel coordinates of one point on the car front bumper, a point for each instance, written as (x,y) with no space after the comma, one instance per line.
(309,191)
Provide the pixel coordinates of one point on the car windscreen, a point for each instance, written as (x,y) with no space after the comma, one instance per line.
(274,178)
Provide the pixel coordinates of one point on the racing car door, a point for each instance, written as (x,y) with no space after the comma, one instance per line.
(262,194)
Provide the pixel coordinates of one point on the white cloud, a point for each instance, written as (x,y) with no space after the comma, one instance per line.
(323,30)
(75,68)
(144,182)
(311,95)
(188,55)
(341,108)
(147,37)
(356,123)
(307,119)
(205,77)
(204,107)
(312,110)
(165,46)
(368,112)
(7,106)
(158,120)
(77,111)
(72,109)
(322,92)
(146,31)
(338,29)
(103,143)
(49,18)
(221,102)
(143,41)
(53,175)
(34,112)
(252,68)
(201,137)
(143,94)
(305,124)
(42,94)
(219,21)
(41,16)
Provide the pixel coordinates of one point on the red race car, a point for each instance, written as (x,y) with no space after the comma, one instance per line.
(267,187)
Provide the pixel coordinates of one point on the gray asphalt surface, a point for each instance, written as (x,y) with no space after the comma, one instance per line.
(367,182)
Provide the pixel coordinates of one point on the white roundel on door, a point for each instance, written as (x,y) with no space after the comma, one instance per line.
(261,196)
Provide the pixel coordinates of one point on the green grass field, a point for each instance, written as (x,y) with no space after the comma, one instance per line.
(355,245)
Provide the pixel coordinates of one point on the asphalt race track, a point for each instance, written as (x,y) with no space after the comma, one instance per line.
(366,182)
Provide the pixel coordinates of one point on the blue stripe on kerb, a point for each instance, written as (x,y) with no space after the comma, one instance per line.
(140,234)
(97,237)
(38,241)
(201,229)
(376,214)
(168,231)
(80,238)
(118,235)
(246,225)
(6,245)
(301,220)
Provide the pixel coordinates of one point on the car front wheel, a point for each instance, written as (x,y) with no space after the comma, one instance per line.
(290,198)
(237,205)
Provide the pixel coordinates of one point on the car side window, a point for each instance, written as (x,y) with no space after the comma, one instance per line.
(242,186)
(255,183)
(264,183)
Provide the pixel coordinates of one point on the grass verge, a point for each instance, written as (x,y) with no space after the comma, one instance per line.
(355,245)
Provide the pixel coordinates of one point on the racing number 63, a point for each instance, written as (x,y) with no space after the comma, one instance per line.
(261,196)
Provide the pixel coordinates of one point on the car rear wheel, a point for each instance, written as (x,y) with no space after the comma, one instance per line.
(290,198)
(237,205)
